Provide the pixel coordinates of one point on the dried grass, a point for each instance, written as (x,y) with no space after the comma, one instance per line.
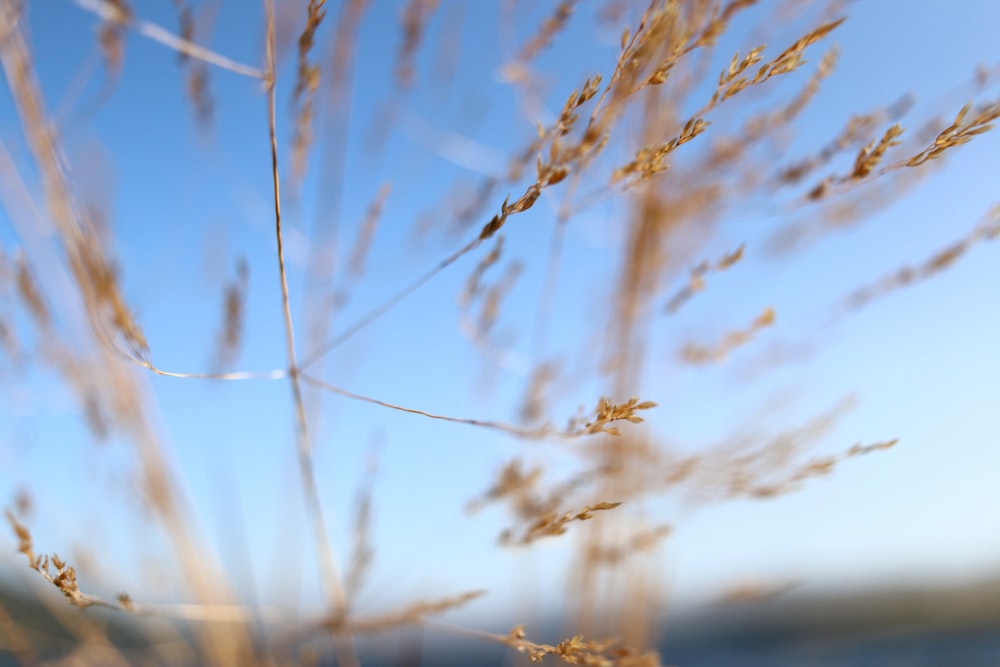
(942,260)
(416,15)
(307,82)
(233,315)
(366,232)
(672,212)
(695,353)
(696,283)
(329,575)
(111,12)
(577,650)
(517,70)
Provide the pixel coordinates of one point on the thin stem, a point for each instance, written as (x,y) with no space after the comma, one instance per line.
(327,566)
(276,374)
(527,433)
(273,374)
(113,14)
(388,304)
(82,253)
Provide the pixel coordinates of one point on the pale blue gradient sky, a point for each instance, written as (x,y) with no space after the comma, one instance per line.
(923,362)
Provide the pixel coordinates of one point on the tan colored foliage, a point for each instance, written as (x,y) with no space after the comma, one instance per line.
(644,133)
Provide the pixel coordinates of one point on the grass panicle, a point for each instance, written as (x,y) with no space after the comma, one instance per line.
(628,173)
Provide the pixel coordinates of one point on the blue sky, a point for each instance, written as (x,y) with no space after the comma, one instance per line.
(184,205)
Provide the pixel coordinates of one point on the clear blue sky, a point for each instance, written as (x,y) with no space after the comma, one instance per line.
(184,205)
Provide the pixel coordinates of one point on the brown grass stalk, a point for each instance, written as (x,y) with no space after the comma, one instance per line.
(329,576)
(668,186)
(416,15)
(105,307)
(940,261)
(604,414)
(694,353)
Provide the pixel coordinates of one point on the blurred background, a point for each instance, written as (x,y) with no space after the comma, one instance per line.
(769,522)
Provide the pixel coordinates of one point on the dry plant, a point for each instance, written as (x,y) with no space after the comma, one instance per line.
(579,651)
(654,133)
(988,230)
(697,280)
(695,353)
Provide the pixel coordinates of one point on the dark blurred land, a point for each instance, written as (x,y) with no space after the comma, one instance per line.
(958,626)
